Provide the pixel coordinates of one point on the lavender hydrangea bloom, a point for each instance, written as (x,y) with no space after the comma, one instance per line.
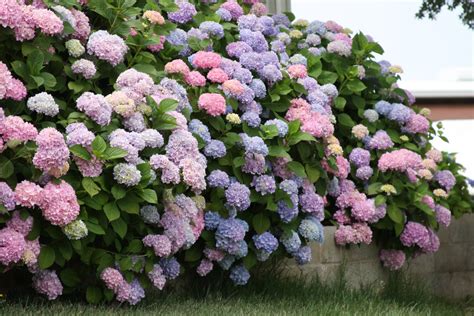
(108,47)
(265,242)
(7,197)
(229,233)
(254,145)
(364,173)
(211,220)
(243,75)
(251,118)
(446,179)
(127,174)
(289,186)
(312,203)
(171,267)
(213,29)
(360,157)
(311,229)
(259,88)
(288,213)
(264,184)
(371,115)
(224,14)
(303,255)
(215,149)
(237,196)
(239,275)
(184,14)
(218,179)
(291,241)
(95,107)
(383,107)
(381,140)
(280,125)
(400,113)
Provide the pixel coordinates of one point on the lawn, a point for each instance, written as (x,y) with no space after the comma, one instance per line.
(263,296)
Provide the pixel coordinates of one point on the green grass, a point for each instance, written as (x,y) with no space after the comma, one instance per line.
(263,296)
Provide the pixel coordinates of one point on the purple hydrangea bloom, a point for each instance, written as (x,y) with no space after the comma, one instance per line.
(289,186)
(312,203)
(7,197)
(311,229)
(264,184)
(218,179)
(364,173)
(443,215)
(238,196)
(195,126)
(137,293)
(254,145)
(280,125)
(446,179)
(171,267)
(211,220)
(251,118)
(239,275)
(224,14)
(243,75)
(381,140)
(259,88)
(213,29)
(303,255)
(184,14)
(256,40)
(415,234)
(360,157)
(288,213)
(215,149)
(400,113)
(383,107)
(95,107)
(291,241)
(265,242)
(229,233)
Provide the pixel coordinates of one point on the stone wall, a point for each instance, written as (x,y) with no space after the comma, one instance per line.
(449,272)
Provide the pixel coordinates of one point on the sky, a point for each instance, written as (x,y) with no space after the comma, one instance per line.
(424,48)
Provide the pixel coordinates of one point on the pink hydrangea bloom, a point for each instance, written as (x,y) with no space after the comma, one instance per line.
(217,75)
(12,246)
(112,278)
(399,160)
(233,87)
(176,66)
(205,266)
(89,168)
(392,259)
(47,21)
(443,215)
(160,243)
(47,282)
(31,253)
(157,277)
(155,48)
(107,47)
(59,203)
(27,194)
(297,71)
(214,254)
(435,155)
(52,152)
(415,234)
(82,29)
(417,124)
(194,174)
(195,79)
(214,104)
(19,225)
(14,128)
(206,60)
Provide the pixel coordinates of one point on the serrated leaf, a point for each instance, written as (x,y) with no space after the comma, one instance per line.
(149,195)
(120,227)
(81,152)
(112,153)
(46,257)
(99,145)
(297,168)
(118,192)
(111,211)
(345,120)
(395,214)
(93,295)
(261,223)
(90,186)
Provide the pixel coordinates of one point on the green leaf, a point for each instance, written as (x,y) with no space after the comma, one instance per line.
(300,136)
(379,200)
(327,77)
(345,120)
(49,79)
(90,186)
(149,195)
(120,227)
(261,223)
(94,228)
(129,205)
(93,295)
(135,246)
(35,62)
(111,211)
(340,103)
(81,152)
(46,257)
(374,188)
(98,146)
(6,168)
(192,255)
(167,105)
(250,260)
(313,172)
(297,168)
(356,85)
(395,214)
(278,151)
(112,153)
(69,277)
(118,192)
(293,127)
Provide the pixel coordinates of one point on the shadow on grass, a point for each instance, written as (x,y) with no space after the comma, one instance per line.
(269,292)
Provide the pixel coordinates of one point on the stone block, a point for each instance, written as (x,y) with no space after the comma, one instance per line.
(362,252)
(462,230)
(455,285)
(422,264)
(451,258)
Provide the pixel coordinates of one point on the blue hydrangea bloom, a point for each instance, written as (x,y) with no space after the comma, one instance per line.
(218,179)
(215,149)
(239,275)
(291,241)
(265,242)
(171,267)
(211,220)
(303,255)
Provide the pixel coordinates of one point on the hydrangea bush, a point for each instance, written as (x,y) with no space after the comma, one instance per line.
(143,139)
